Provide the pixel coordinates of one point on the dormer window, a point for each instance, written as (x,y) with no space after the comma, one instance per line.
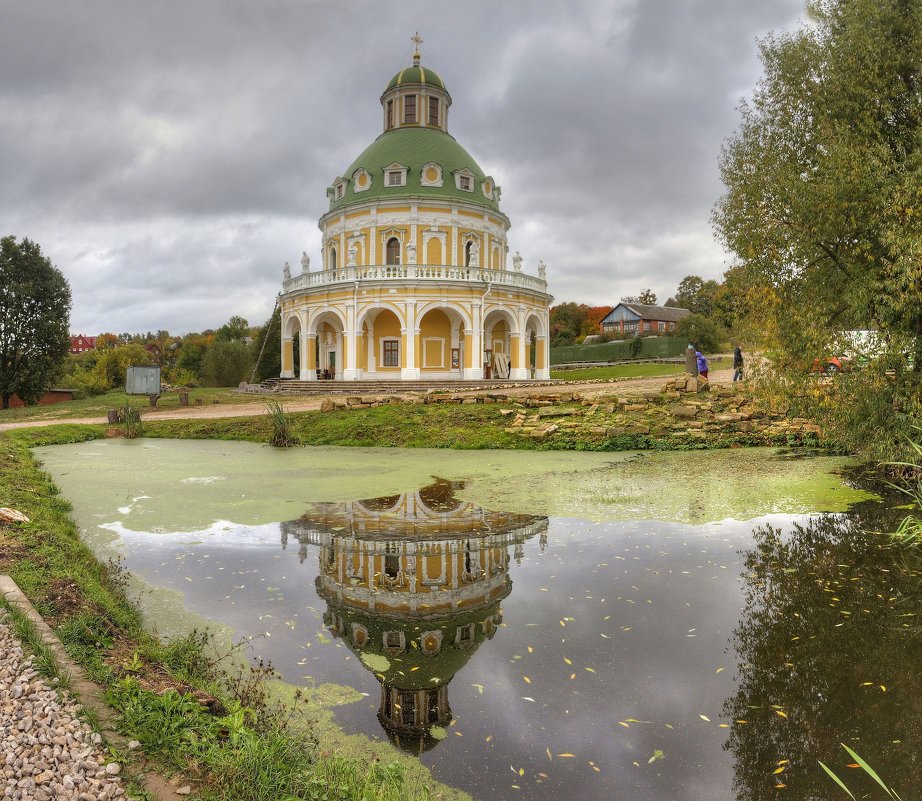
(395,175)
(464,180)
(409,110)
(431,174)
(340,191)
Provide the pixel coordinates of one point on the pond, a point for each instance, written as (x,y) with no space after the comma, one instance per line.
(534,625)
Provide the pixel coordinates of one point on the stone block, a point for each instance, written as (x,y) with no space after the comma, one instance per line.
(555,411)
(327,405)
(702,384)
(353,400)
(683,411)
(635,407)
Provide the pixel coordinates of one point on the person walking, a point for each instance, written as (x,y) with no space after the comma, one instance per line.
(737,364)
(702,364)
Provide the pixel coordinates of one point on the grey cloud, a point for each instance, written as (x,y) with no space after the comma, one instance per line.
(180,152)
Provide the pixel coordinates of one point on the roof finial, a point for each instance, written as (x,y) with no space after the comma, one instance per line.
(417,40)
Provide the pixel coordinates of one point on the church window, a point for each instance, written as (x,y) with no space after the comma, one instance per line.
(464,183)
(434,712)
(391,353)
(393,250)
(340,191)
(408,708)
(409,109)
(390,113)
(395,178)
(433,111)
(332,258)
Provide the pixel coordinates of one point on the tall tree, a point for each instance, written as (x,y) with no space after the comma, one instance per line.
(824,177)
(34,320)
(696,294)
(645,298)
(233,330)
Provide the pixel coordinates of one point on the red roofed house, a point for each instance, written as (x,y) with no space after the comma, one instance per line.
(81,344)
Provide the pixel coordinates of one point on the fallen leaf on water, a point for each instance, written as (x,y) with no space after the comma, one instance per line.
(568,661)
(527,680)
(718,670)
(657,754)
(778,770)
(780,713)
(566,756)
(526,698)
(478,686)
(549,754)
(705,718)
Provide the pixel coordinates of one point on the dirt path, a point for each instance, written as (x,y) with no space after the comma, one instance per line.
(293,403)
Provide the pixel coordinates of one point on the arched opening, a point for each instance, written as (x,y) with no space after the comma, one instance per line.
(497,344)
(440,351)
(393,251)
(332,258)
(467,253)
(292,366)
(534,347)
(383,347)
(328,344)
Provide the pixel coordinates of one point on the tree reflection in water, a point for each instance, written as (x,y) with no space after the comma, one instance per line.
(829,650)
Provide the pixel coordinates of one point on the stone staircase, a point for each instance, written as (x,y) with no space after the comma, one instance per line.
(292,386)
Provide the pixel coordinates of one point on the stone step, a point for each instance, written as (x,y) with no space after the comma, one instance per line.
(295,386)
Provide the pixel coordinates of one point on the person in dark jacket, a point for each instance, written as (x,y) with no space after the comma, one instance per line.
(737,363)
(702,364)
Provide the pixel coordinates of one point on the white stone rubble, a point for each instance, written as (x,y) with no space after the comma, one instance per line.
(46,752)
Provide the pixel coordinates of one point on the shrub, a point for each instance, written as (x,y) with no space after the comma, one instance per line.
(707,335)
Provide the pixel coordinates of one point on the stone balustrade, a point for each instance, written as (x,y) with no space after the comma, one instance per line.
(443,274)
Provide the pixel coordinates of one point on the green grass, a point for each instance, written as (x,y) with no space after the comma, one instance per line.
(643,370)
(100,404)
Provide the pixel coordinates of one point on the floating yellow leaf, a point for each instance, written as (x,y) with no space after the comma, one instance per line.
(549,756)
(521,771)
(622,723)
(853,765)
(568,661)
(566,756)
(718,670)
(478,686)
(778,770)
(781,713)
(527,680)
(705,717)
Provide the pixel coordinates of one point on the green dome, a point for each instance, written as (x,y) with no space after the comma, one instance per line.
(416,75)
(413,148)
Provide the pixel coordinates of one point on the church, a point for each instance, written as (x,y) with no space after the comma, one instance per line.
(414,281)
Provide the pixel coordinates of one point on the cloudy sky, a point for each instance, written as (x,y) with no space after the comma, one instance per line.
(169,157)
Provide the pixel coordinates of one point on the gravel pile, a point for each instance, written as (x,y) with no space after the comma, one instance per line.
(46,752)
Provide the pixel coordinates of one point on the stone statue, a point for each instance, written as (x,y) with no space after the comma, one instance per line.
(517,262)
(286,271)
(411,252)
(353,254)
(305,262)
(475,254)
(542,270)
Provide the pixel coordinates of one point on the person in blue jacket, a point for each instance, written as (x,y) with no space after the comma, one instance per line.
(702,364)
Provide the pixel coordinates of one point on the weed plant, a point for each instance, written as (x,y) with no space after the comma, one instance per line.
(282,435)
(891,793)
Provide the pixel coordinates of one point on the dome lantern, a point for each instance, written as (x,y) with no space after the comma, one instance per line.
(416,97)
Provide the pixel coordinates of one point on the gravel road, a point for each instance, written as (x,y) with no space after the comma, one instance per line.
(47,752)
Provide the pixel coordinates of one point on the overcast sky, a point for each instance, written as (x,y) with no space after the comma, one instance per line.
(169,157)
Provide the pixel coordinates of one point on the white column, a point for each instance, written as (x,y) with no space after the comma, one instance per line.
(520,373)
(350,373)
(410,372)
(473,339)
(339,355)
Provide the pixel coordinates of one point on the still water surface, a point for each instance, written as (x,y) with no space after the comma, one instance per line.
(675,626)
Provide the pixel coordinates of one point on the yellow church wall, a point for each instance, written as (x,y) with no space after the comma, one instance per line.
(434,251)
(386,326)
(435,337)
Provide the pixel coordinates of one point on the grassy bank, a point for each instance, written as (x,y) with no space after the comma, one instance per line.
(644,370)
(191,714)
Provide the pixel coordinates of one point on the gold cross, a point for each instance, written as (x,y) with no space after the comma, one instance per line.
(417,40)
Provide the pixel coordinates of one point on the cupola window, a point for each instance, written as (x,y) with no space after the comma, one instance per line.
(409,110)
(390,114)
(433,111)
(393,250)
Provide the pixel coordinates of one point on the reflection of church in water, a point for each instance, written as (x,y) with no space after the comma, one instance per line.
(413,585)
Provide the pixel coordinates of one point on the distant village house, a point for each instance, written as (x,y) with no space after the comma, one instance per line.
(637,319)
(81,343)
